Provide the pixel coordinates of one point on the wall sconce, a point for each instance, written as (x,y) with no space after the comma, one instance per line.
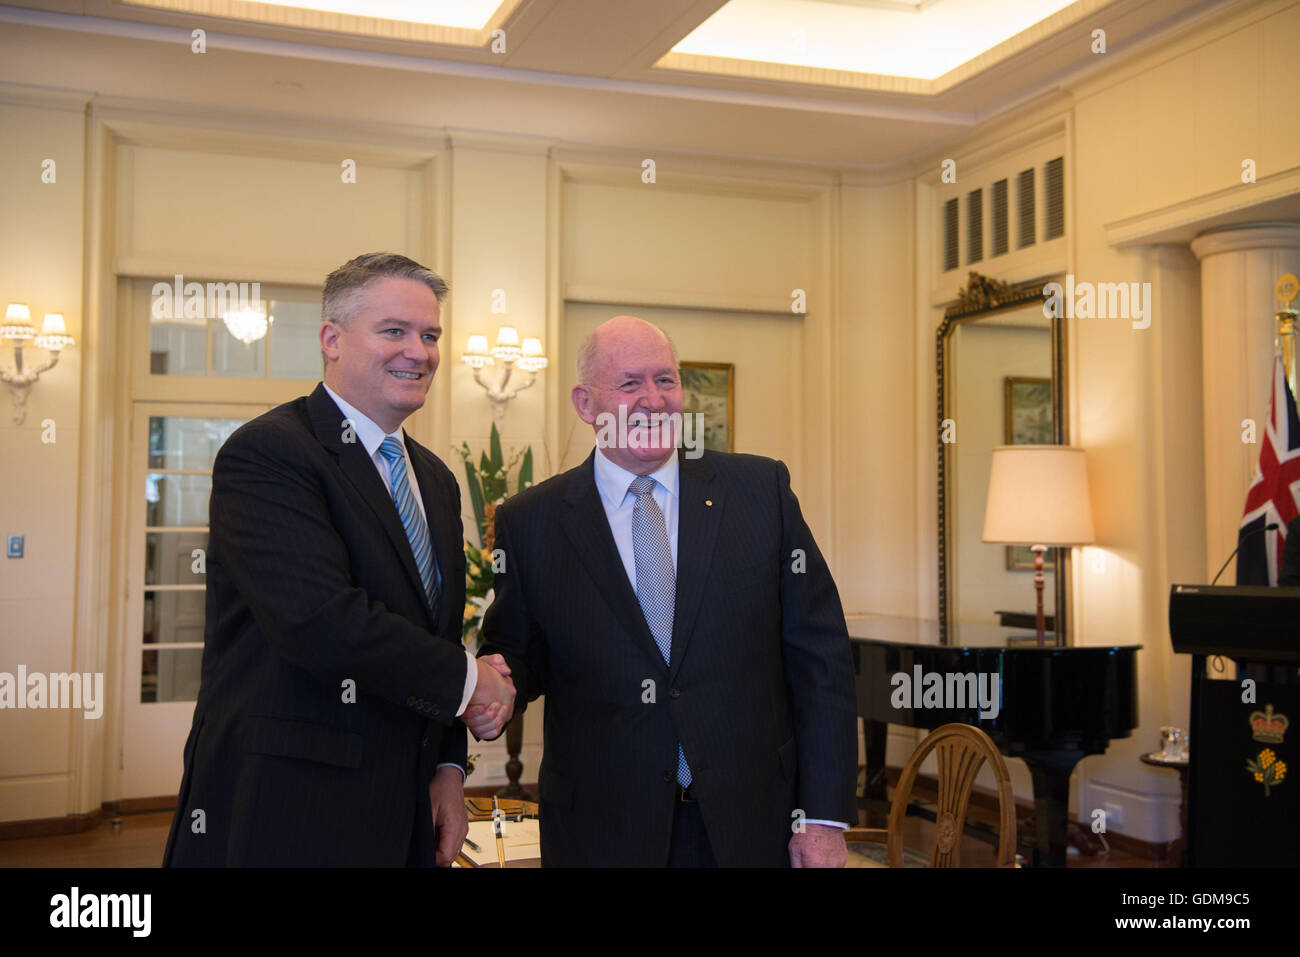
(18,329)
(508,351)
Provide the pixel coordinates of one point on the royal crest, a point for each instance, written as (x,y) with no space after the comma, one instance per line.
(1268,727)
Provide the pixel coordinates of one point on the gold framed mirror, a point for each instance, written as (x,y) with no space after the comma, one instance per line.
(1000,362)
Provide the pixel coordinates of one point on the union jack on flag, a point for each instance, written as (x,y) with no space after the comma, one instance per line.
(1274,495)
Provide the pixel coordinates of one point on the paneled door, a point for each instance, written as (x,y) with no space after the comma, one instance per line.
(173,446)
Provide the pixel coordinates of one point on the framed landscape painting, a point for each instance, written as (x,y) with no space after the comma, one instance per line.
(709,387)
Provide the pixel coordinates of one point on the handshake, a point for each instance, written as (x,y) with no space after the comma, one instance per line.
(493,702)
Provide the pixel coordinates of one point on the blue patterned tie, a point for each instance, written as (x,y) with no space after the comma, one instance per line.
(417,532)
(656,581)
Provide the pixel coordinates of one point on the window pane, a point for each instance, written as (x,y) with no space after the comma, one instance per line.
(185,443)
(234,359)
(294,340)
(170,674)
(171,617)
(169,558)
(177,499)
(178,346)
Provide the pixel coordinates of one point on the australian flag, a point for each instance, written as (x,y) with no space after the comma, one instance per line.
(1274,495)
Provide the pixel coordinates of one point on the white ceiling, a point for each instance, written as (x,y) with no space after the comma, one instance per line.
(575,71)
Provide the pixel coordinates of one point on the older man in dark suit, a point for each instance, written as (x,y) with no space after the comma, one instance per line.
(326,730)
(682,624)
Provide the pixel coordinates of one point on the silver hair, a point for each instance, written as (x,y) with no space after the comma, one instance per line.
(587,353)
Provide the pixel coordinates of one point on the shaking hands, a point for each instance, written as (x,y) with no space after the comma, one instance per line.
(493,702)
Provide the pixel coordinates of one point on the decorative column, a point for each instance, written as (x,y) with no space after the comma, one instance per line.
(1239,268)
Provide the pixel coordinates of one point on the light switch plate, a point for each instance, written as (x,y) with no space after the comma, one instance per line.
(15,546)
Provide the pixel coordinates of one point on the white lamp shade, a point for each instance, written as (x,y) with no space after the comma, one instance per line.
(532,347)
(54,325)
(17,312)
(477,346)
(507,336)
(1038,495)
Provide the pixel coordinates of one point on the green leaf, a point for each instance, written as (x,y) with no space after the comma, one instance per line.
(476,500)
(494,443)
(526,470)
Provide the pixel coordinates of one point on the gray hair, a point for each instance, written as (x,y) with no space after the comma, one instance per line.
(338,301)
(588,351)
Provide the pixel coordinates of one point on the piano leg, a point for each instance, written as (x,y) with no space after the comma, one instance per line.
(1051,773)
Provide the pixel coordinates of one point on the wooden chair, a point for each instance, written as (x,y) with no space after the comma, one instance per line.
(962,750)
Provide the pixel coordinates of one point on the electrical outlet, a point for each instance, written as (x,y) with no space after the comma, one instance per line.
(1114,814)
(14,548)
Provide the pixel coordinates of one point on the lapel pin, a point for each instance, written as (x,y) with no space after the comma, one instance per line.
(708,501)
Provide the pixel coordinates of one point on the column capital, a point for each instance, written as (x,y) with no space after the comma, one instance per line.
(1231,239)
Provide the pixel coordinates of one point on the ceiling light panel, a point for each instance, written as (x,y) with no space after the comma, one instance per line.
(891,37)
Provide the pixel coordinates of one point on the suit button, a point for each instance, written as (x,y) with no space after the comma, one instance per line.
(674,693)
(410,701)
(668,777)
(425,742)
(435,712)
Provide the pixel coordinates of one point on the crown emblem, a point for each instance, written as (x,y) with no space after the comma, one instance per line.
(1267,726)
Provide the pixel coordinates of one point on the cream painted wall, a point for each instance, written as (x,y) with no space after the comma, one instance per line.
(881,422)
(41,265)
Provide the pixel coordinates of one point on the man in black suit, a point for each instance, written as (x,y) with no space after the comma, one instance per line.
(687,634)
(326,730)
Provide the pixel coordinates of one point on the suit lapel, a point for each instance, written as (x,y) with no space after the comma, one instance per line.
(698,517)
(587,527)
(442,525)
(327,420)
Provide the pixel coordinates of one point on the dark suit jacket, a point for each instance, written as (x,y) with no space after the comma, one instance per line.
(760,689)
(1290,574)
(311,583)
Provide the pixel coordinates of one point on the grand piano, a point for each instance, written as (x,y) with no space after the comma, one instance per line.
(1058,704)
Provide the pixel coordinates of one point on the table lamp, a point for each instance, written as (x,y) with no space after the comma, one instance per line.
(1038,496)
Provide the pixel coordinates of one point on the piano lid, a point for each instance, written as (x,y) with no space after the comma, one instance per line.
(902,630)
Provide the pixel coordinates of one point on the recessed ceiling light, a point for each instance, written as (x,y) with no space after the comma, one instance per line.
(923,39)
(470,14)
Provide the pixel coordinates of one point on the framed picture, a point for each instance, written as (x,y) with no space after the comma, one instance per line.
(710,388)
(1028,405)
(1028,410)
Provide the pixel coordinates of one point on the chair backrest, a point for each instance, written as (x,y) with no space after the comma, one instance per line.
(962,750)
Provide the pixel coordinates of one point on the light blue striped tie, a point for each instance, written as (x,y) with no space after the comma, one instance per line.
(656,581)
(417,532)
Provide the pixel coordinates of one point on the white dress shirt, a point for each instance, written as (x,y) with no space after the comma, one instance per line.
(371,436)
(612,482)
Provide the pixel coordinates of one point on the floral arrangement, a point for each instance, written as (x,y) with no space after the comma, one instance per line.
(489,486)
